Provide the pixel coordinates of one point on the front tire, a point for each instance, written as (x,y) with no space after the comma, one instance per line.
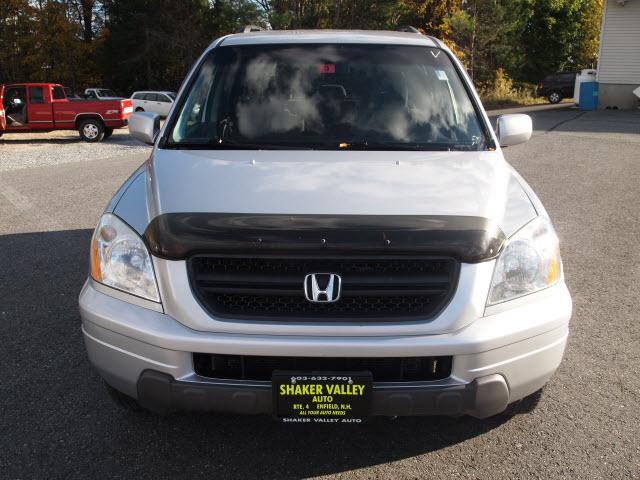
(555,97)
(91,130)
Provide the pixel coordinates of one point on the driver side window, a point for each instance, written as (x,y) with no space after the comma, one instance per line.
(36,95)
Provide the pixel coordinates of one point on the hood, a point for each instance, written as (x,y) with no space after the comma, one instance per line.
(476,184)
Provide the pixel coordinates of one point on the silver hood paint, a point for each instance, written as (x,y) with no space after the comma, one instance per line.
(339,183)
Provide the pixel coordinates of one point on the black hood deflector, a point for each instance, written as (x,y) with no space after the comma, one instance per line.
(176,236)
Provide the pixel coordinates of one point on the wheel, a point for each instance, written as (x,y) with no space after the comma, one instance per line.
(122,400)
(91,130)
(555,97)
(525,405)
(139,109)
(107,132)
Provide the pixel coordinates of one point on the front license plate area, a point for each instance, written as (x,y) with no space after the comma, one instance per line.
(322,397)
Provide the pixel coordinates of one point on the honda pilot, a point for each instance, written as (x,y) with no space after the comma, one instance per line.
(326,230)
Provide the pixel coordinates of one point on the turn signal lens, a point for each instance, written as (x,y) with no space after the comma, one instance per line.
(96,272)
(554,269)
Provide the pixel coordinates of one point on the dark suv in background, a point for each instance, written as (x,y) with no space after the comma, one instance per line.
(557,86)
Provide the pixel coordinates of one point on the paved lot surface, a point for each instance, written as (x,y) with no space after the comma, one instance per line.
(56,421)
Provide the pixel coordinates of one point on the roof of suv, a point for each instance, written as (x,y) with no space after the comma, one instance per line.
(330,36)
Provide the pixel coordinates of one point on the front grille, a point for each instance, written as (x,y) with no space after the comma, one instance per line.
(373,289)
(248,367)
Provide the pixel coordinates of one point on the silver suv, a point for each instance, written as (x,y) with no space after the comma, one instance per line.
(326,230)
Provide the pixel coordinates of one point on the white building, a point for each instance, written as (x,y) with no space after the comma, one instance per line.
(619,63)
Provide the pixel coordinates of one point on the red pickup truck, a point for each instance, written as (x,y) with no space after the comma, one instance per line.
(43,107)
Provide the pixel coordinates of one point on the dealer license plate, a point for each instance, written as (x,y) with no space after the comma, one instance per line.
(322,397)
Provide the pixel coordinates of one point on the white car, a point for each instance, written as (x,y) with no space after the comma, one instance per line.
(326,229)
(154,102)
(101,94)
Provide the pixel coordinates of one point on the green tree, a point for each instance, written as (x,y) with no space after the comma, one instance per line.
(353,14)
(43,42)
(552,37)
(587,50)
(487,35)
(16,25)
(150,44)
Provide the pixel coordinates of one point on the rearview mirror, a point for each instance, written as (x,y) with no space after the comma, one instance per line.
(144,126)
(513,129)
(16,101)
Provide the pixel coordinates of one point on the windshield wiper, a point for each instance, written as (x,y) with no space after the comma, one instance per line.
(400,146)
(373,145)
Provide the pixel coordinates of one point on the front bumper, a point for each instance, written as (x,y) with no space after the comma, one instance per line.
(481,398)
(500,358)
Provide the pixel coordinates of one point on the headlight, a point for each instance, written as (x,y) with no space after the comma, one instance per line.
(120,259)
(530,262)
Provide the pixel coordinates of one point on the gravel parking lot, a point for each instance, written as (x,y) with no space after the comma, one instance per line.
(28,150)
(57,422)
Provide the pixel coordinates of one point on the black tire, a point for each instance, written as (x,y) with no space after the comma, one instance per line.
(555,96)
(123,401)
(139,109)
(525,405)
(107,132)
(91,130)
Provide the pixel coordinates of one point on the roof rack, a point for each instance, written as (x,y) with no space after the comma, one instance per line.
(408,29)
(252,28)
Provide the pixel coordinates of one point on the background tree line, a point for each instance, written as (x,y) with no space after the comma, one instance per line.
(129,45)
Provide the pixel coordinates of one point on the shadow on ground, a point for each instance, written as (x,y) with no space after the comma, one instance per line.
(59,422)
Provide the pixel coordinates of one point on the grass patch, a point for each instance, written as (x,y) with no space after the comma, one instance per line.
(504,92)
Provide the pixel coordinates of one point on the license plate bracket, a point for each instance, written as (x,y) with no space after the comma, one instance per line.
(322,397)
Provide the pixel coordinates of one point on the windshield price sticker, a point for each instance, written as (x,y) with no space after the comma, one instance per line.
(322,398)
(442,75)
(327,68)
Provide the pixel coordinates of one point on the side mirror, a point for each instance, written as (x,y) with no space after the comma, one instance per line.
(513,129)
(144,126)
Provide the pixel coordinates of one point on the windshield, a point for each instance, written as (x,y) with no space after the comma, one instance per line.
(106,93)
(327,97)
(171,95)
